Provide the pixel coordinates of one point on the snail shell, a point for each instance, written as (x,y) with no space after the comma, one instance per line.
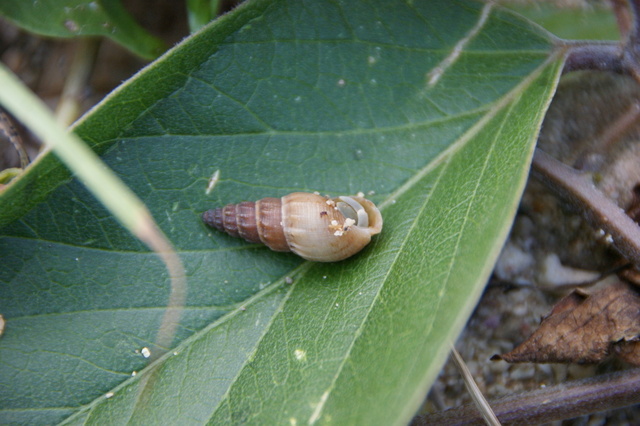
(314,227)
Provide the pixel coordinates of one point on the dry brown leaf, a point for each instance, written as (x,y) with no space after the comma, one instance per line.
(586,329)
(628,352)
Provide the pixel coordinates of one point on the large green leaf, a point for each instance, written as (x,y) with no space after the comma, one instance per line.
(279,96)
(72,18)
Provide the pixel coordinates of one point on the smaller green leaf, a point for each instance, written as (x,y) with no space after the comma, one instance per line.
(7,174)
(72,18)
(200,12)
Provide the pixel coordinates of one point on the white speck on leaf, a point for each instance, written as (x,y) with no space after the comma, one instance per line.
(300,354)
(71,26)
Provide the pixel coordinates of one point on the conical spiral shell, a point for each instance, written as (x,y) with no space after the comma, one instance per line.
(314,227)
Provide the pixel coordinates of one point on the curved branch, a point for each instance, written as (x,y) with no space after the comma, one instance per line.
(562,401)
(599,210)
(597,57)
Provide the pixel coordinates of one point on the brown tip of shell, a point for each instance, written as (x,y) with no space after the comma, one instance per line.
(212,218)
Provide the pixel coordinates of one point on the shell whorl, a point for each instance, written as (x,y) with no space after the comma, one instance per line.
(255,222)
(314,227)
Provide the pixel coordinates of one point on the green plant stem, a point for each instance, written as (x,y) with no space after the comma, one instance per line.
(84,56)
(114,194)
(103,184)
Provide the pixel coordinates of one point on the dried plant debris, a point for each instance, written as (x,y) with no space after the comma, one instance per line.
(9,134)
(592,125)
(584,328)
